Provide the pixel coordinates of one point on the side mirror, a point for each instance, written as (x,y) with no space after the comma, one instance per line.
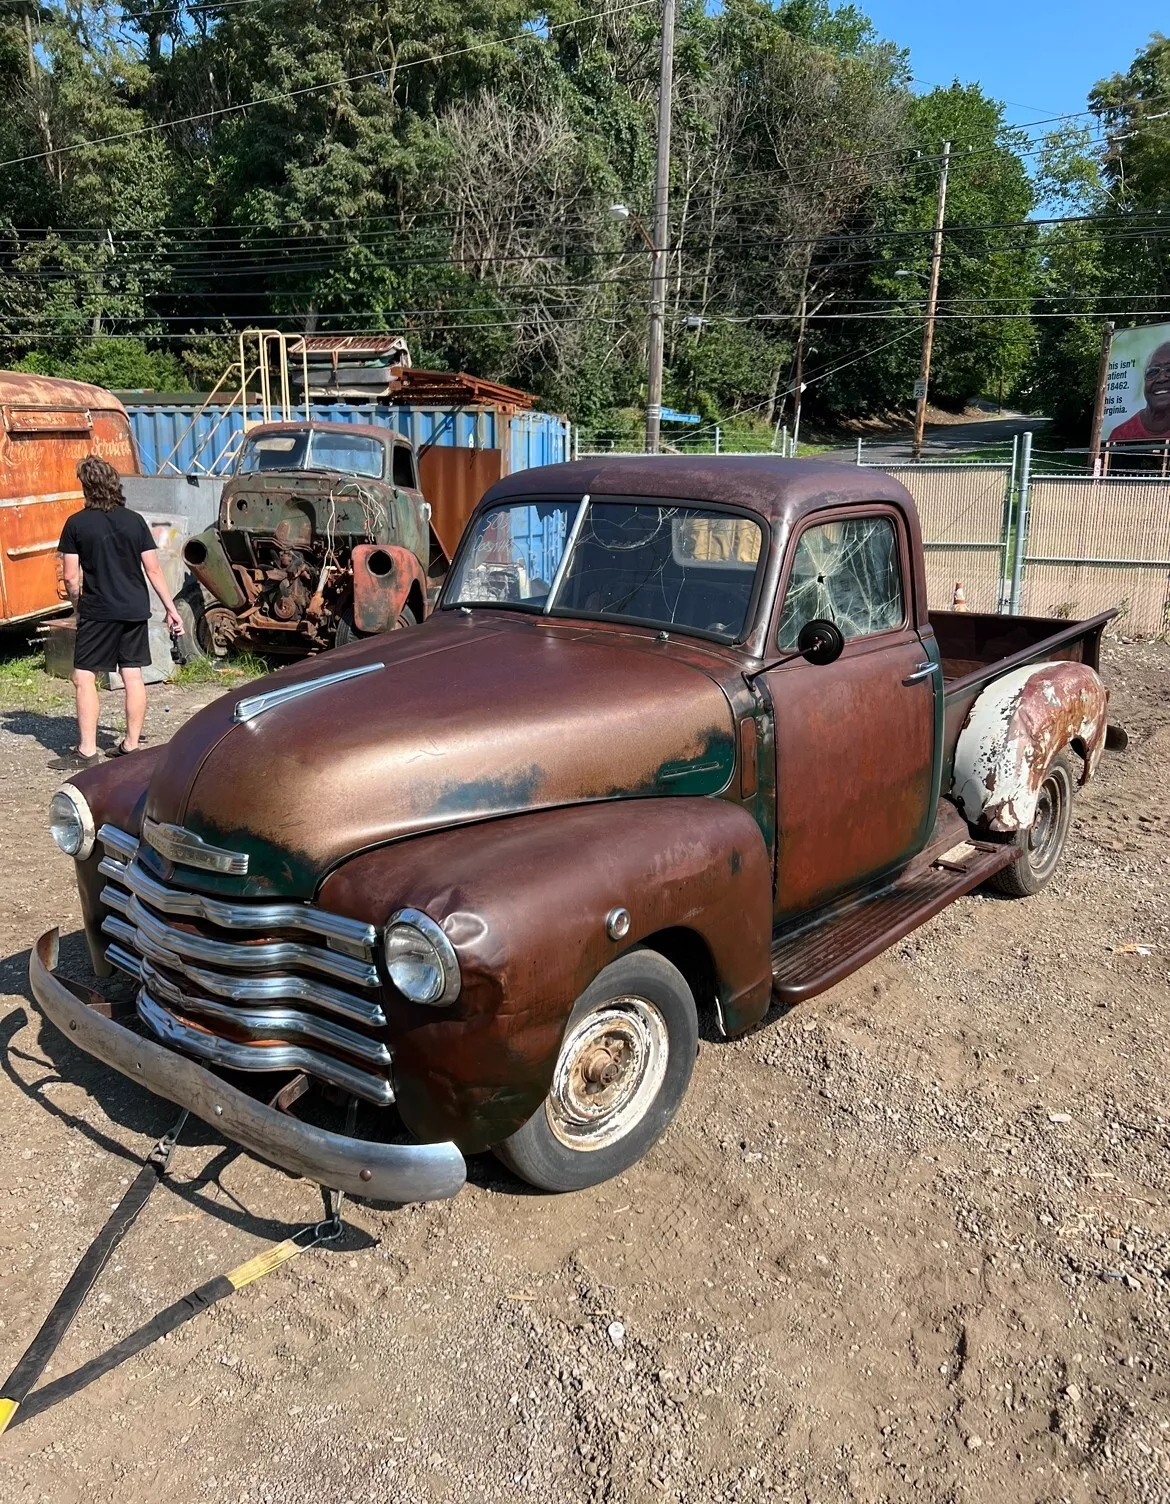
(820,642)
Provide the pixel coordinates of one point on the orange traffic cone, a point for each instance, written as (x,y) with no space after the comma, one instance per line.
(959,603)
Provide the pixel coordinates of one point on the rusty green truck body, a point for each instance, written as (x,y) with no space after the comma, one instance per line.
(323,536)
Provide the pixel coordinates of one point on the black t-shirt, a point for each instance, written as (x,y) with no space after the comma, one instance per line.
(110,546)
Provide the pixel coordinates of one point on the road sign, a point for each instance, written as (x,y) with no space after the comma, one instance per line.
(670,416)
(919,390)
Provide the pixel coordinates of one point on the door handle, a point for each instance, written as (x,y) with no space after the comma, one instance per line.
(921,671)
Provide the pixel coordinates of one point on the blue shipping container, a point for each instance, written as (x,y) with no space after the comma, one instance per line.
(184,440)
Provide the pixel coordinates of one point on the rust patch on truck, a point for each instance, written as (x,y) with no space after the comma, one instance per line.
(1015,729)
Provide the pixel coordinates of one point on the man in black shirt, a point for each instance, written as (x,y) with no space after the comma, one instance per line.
(107,551)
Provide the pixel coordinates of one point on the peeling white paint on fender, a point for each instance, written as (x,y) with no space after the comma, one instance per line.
(1014,731)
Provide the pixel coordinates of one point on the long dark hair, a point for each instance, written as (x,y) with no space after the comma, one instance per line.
(101,484)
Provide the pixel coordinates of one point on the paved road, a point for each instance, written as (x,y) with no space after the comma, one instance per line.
(945,440)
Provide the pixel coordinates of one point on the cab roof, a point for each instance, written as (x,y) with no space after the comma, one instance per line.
(365,430)
(779,490)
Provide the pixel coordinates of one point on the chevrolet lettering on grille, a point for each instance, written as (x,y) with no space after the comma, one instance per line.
(189,850)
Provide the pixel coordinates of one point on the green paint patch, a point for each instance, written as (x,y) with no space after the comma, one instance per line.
(489,796)
(705,773)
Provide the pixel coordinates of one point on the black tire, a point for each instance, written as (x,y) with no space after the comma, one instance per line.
(638,1016)
(346,631)
(188,648)
(1040,846)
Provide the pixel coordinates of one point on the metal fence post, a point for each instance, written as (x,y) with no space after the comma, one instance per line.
(718,438)
(859,449)
(1021,523)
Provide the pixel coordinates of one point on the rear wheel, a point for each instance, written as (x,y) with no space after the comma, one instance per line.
(188,648)
(623,1069)
(1040,846)
(347,632)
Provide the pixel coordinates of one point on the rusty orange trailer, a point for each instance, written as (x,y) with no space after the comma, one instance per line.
(46,426)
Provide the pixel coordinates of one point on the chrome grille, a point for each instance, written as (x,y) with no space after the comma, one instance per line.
(218,979)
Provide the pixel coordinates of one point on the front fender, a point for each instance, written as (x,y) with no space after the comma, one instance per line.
(524,901)
(383,576)
(1014,731)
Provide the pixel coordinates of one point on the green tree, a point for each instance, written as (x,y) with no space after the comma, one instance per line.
(983,333)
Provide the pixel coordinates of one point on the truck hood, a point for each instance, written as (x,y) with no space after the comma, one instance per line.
(466,718)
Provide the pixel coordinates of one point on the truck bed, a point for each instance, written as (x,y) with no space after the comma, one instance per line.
(977,647)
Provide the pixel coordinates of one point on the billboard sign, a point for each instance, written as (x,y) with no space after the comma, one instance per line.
(1137,386)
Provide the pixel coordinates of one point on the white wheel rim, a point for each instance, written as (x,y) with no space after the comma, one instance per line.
(610,1070)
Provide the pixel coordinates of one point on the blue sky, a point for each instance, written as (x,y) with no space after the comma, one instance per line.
(1041,55)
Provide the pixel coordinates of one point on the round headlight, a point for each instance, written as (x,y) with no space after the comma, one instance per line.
(420,960)
(71,822)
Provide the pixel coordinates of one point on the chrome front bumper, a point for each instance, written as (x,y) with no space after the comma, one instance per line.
(383,1172)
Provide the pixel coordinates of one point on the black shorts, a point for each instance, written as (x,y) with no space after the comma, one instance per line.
(105,645)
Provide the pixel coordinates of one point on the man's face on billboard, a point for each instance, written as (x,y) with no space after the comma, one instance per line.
(1157,381)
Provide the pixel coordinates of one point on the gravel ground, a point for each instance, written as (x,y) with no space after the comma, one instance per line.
(908,1241)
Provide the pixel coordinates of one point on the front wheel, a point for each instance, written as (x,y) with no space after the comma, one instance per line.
(347,632)
(623,1069)
(1041,844)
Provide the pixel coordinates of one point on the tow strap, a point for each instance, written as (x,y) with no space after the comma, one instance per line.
(15,1391)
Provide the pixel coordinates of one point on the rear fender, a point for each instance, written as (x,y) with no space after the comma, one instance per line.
(1013,733)
(383,576)
(524,901)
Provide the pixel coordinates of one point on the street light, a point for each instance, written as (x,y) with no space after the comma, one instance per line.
(619,211)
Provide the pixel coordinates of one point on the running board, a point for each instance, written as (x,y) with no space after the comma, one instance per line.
(818,955)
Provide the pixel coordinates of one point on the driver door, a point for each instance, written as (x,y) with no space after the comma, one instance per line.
(855,739)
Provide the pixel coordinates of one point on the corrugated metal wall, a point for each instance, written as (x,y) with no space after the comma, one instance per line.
(181,440)
(537,439)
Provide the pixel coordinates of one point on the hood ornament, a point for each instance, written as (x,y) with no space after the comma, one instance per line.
(254,705)
(187,849)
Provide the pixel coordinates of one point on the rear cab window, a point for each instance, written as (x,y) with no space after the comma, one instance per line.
(403,468)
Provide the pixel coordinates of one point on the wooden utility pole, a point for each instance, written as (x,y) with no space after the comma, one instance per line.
(661,233)
(1099,403)
(931,300)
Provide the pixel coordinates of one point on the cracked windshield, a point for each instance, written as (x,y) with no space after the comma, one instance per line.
(845,572)
(657,565)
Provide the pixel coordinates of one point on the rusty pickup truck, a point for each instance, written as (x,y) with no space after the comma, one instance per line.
(323,536)
(681,738)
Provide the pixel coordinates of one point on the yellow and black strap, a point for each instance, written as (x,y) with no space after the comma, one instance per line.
(15,1392)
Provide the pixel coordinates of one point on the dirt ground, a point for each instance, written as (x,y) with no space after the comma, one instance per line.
(908,1241)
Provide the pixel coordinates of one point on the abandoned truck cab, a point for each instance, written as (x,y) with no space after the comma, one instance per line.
(681,736)
(323,536)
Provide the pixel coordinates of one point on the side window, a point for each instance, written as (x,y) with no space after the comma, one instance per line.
(404,468)
(848,572)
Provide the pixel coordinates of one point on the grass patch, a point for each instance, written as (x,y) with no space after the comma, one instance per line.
(24,684)
(235,670)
